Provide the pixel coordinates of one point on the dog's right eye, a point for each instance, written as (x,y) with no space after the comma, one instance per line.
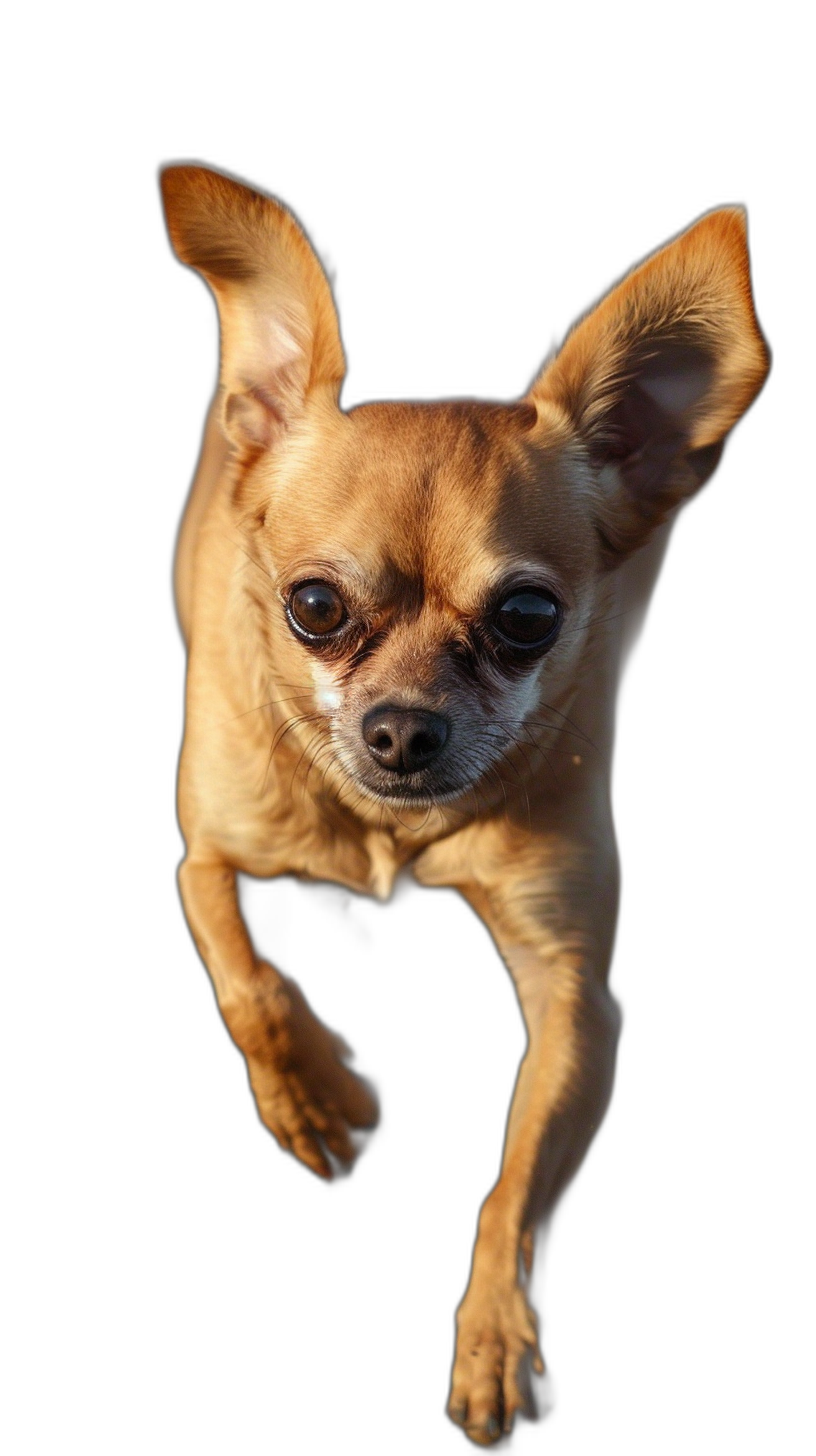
(315,609)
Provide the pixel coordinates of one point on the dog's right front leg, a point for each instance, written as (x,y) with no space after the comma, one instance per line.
(306,1095)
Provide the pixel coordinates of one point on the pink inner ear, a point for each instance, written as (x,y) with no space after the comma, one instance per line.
(267,373)
(676,392)
(674,373)
(253,417)
(270,354)
(652,411)
(280,347)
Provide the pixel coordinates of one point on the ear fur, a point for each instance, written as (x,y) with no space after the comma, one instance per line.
(280,338)
(657,374)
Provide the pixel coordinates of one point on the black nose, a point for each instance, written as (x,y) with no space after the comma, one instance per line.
(404,739)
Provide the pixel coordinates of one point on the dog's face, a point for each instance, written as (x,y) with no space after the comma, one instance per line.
(433,572)
(430,566)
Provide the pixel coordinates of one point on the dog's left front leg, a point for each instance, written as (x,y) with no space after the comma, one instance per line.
(555,936)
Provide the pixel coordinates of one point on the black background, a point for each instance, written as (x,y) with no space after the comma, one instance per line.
(311,1314)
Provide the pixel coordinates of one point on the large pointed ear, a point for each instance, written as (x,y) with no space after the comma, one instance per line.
(656,375)
(279,334)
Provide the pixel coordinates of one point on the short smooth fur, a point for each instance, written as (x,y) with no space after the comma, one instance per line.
(404,625)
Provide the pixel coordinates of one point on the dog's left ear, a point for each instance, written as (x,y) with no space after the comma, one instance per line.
(657,374)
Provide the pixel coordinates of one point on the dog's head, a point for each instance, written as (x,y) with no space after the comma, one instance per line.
(432,572)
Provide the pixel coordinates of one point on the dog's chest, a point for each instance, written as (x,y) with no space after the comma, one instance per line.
(372,867)
(318,848)
(384,863)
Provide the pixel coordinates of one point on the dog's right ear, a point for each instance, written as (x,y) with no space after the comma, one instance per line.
(280,339)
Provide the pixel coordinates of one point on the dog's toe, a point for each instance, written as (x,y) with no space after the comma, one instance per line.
(495,1344)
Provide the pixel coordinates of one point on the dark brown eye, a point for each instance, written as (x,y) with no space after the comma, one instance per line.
(528,618)
(316,609)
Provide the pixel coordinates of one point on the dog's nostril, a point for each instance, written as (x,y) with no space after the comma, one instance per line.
(404,739)
(424,745)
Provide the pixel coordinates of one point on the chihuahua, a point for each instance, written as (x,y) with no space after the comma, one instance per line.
(404,625)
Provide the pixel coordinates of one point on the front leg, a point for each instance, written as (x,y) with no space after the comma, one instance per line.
(552,917)
(305,1094)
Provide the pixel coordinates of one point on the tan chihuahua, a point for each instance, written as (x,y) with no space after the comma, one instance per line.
(404,630)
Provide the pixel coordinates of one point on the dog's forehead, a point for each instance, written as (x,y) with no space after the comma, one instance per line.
(453,493)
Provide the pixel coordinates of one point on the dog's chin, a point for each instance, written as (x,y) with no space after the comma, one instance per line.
(415,791)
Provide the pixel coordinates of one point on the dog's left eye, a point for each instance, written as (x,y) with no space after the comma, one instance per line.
(528,618)
(316,609)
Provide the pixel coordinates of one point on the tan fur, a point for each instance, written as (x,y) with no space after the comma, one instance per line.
(415,514)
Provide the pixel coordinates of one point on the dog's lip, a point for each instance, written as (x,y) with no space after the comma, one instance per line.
(411,790)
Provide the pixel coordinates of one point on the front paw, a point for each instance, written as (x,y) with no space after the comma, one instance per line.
(496,1331)
(306,1095)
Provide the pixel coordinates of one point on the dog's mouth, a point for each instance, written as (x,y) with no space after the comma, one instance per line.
(414,791)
